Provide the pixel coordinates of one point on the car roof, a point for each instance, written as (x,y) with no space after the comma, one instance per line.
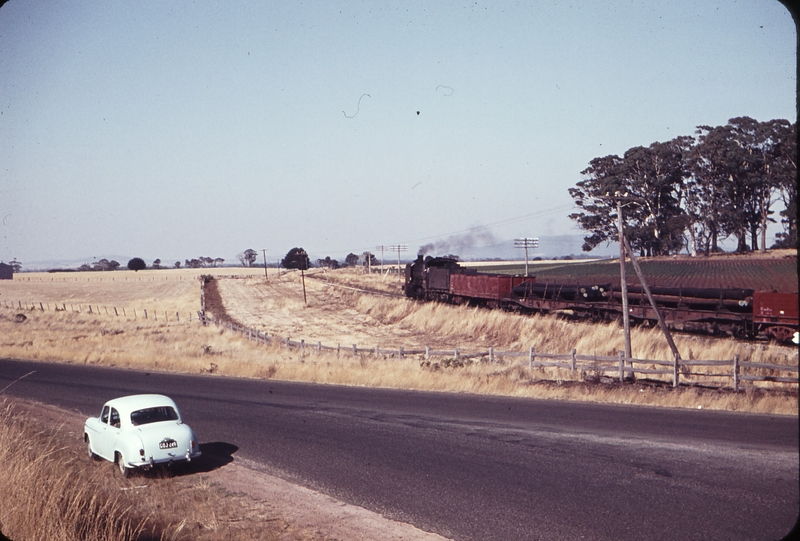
(127,404)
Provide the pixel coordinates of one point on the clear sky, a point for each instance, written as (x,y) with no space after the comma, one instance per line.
(175,130)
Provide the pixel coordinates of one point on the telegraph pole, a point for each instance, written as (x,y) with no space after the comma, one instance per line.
(264,250)
(399,248)
(381,248)
(526,243)
(623,285)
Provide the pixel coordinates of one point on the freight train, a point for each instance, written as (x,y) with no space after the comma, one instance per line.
(742,313)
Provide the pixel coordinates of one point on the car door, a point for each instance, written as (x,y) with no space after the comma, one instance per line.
(104,446)
(100,443)
(113,430)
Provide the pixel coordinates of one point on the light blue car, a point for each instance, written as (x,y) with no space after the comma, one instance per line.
(140,431)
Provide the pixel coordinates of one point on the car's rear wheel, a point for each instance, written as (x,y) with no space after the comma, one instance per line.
(125,472)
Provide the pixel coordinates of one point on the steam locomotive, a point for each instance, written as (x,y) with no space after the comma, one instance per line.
(742,313)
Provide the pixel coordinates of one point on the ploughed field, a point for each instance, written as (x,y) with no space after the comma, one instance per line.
(749,272)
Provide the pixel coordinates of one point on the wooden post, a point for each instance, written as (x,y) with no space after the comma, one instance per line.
(621,366)
(115,311)
(661,322)
(303,277)
(457,353)
(319,347)
(302,345)
(676,358)
(401,353)
(491,354)
(355,350)
(574,351)
(376,351)
(530,358)
(736,373)
(427,353)
(623,284)
(145,314)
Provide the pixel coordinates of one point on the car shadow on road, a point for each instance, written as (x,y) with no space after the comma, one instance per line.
(216,454)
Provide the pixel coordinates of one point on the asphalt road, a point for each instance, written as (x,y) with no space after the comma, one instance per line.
(481,468)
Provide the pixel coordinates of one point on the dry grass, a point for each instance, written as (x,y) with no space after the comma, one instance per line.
(52,492)
(338,315)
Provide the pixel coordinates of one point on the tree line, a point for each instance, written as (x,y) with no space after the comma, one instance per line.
(695,191)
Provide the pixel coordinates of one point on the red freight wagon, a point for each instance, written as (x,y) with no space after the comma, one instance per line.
(495,287)
(776,313)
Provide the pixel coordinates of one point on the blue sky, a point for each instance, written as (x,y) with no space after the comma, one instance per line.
(174,130)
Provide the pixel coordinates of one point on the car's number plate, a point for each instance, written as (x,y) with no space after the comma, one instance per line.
(168,444)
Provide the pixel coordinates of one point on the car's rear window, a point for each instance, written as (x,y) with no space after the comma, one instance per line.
(154,415)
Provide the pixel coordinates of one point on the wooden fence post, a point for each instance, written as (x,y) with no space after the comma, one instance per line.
(530,358)
(376,351)
(427,353)
(457,353)
(302,345)
(319,347)
(355,351)
(621,366)
(145,314)
(675,371)
(736,373)
(401,353)
(574,352)
(491,354)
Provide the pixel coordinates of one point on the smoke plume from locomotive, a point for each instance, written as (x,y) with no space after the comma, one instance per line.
(478,236)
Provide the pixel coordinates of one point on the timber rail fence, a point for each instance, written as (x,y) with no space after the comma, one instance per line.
(596,366)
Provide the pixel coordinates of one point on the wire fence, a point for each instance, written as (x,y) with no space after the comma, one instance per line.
(730,373)
(97,309)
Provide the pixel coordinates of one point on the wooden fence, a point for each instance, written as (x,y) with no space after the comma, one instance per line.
(96,309)
(619,367)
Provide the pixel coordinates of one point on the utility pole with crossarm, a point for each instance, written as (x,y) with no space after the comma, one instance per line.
(526,243)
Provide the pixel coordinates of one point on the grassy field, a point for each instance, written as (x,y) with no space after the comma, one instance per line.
(51,491)
(337,313)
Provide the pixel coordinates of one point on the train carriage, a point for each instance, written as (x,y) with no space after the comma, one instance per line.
(737,312)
